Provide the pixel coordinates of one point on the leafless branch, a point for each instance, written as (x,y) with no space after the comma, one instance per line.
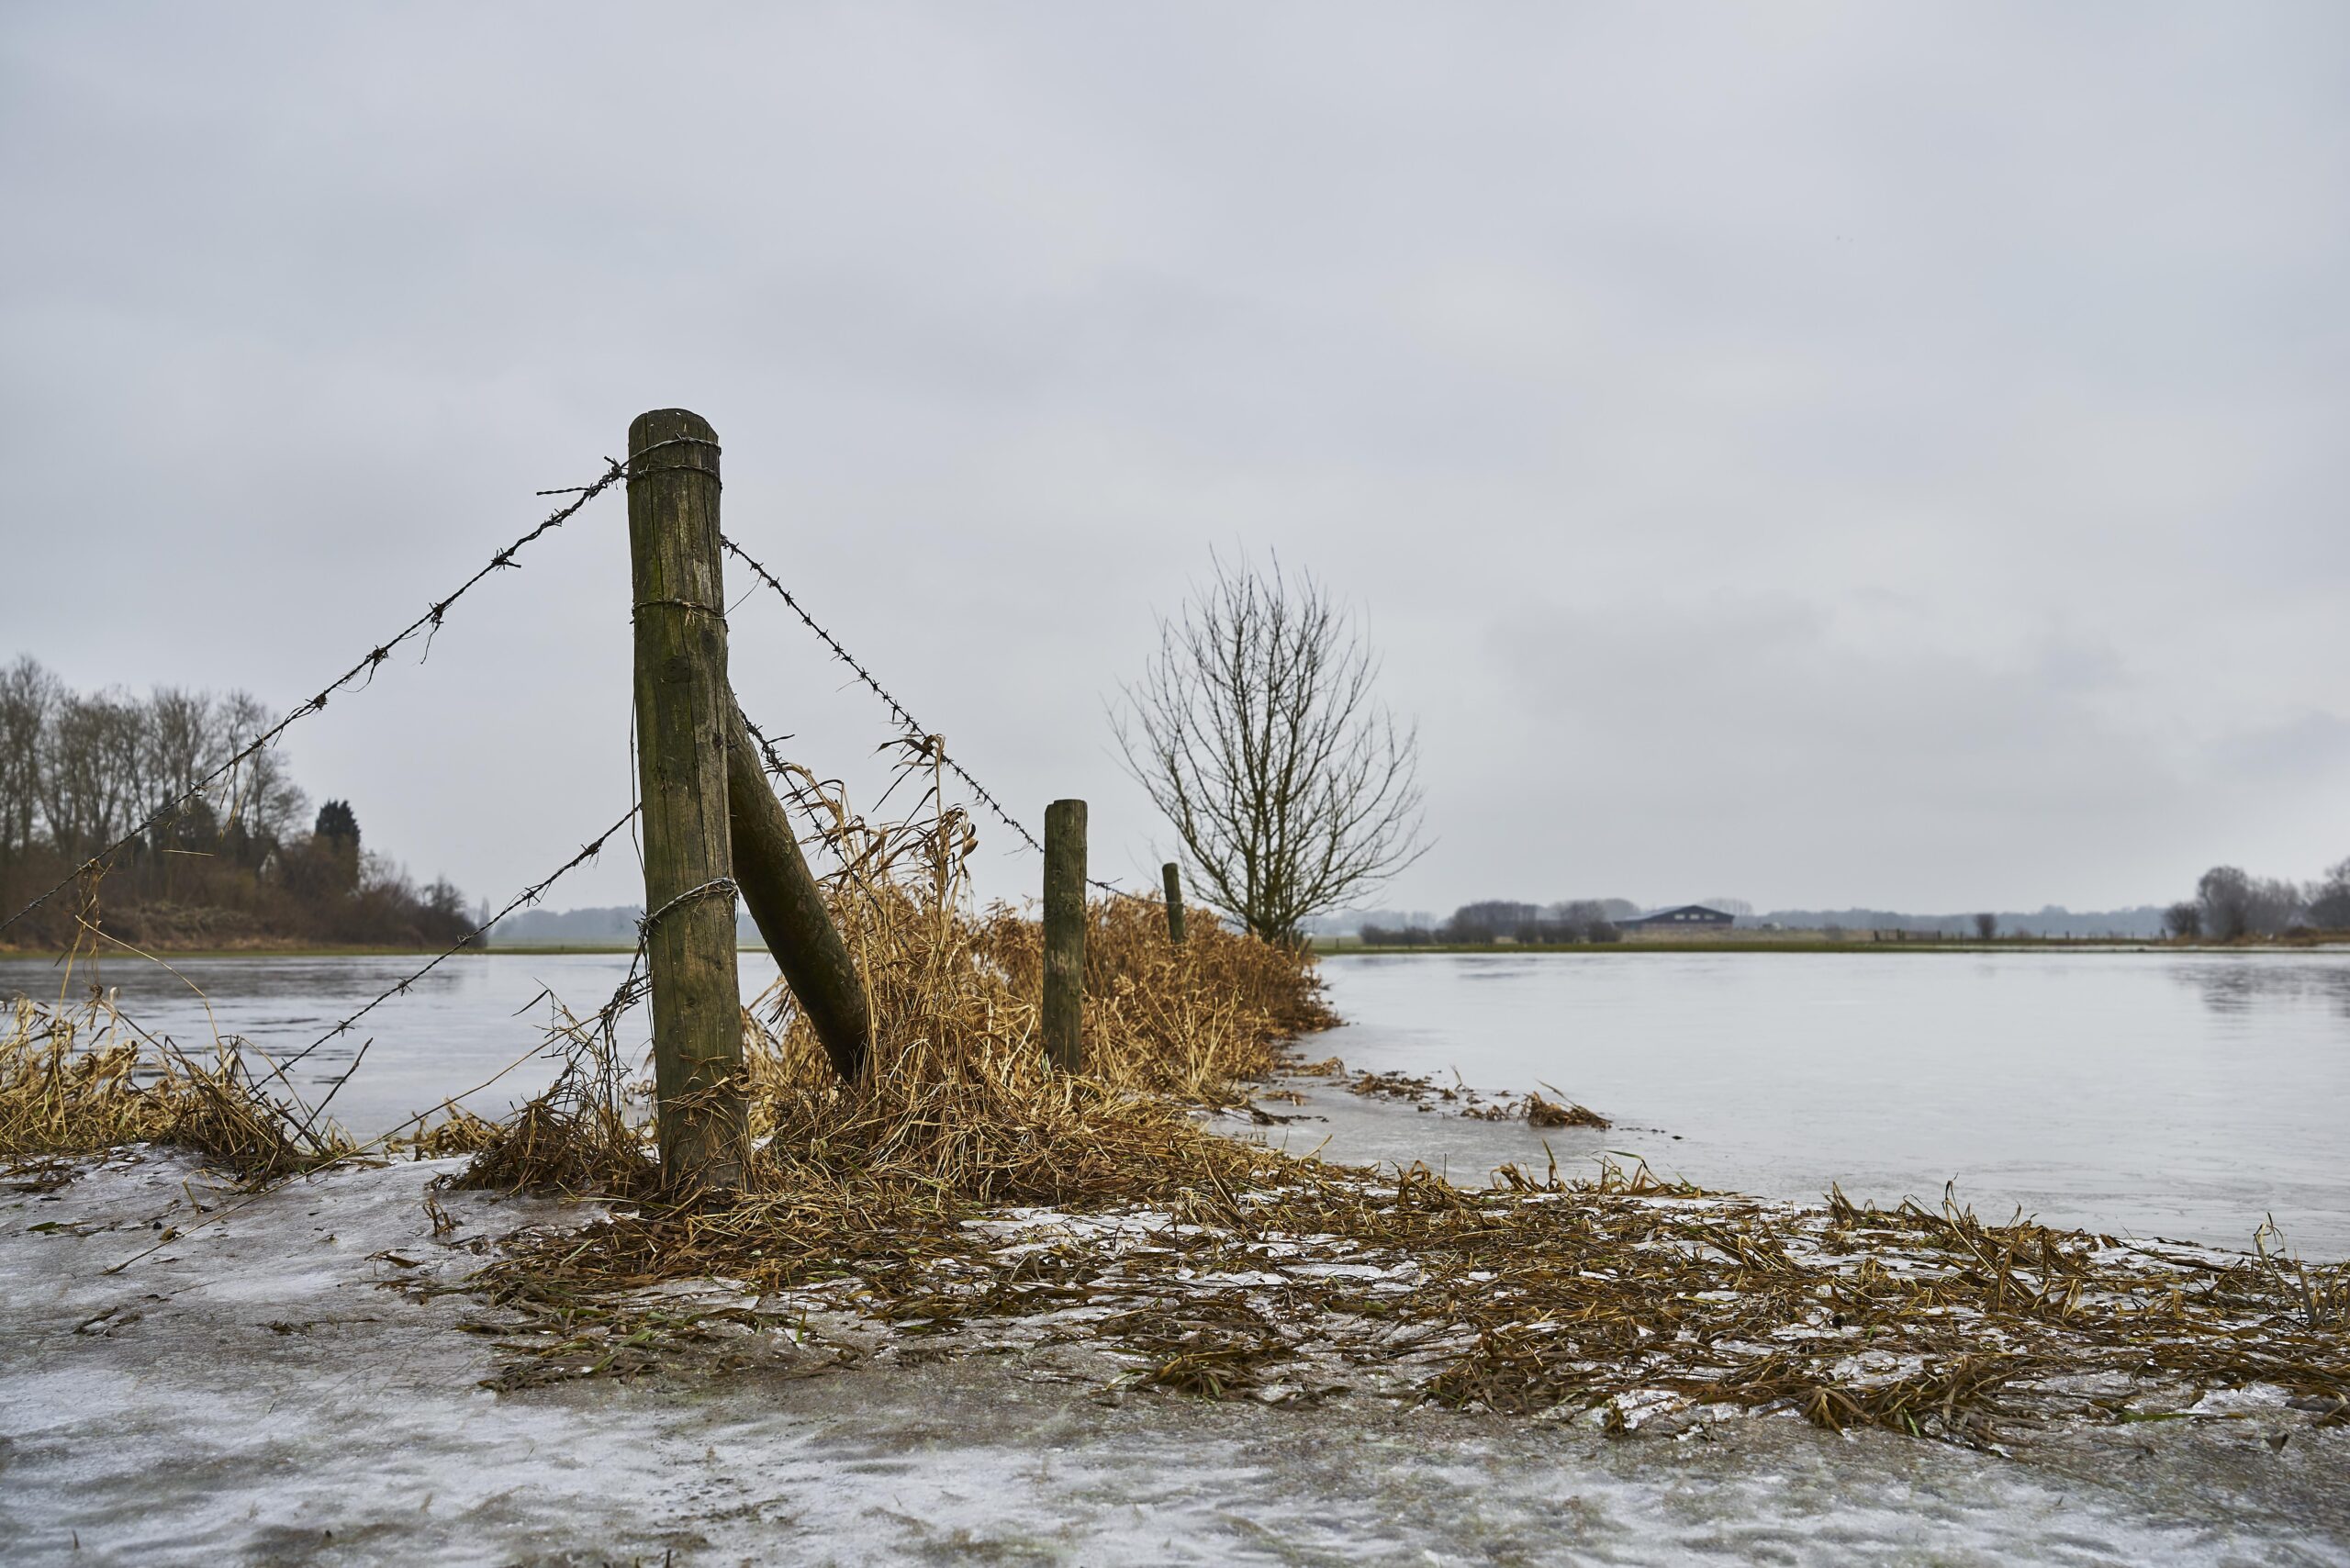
(1255,731)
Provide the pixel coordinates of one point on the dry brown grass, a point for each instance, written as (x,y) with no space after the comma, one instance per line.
(77,1081)
(956,1101)
(966,1196)
(957,1104)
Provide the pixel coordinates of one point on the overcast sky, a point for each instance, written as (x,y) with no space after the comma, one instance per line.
(1822,454)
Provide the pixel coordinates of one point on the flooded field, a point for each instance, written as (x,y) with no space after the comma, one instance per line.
(2178,1095)
(200,1373)
(2187,1095)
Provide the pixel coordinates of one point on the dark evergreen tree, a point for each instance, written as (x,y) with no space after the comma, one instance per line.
(338,825)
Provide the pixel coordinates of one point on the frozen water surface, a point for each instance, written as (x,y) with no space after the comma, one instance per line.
(2166,1094)
(2159,1093)
(2186,1095)
(247,1392)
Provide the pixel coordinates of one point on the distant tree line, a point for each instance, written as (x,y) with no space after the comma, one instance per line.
(80,770)
(1496,920)
(2050,921)
(2230,905)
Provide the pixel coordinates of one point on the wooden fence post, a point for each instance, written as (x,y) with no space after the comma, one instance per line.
(1064,932)
(1173,875)
(783,898)
(684,715)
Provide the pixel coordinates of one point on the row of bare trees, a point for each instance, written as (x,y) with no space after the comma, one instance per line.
(1494,920)
(80,770)
(2230,905)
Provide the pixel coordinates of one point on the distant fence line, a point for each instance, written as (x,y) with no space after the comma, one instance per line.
(676,548)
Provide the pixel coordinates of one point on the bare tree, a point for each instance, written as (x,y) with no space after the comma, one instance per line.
(1291,790)
(184,744)
(2183,920)
(2224,894)
(28,693)
(2236,905)
(1987,926)
(1588,921)
(263,802)
(2279,903)
(90,784)
(2329,899)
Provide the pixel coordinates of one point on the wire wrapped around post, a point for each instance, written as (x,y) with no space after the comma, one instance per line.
(685,713)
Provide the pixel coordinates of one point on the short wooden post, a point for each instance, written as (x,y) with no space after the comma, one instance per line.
(1064,932)
(683,714)
(1173,875)
(783,898)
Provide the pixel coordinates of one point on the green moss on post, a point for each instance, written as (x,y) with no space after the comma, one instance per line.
(684,714)
(783,898)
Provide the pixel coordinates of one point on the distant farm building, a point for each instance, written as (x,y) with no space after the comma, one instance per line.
(1685,917)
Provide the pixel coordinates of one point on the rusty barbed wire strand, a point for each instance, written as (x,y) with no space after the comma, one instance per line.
(781,771)
(430,621)
(715,885)
(587,852)
(896,707)
(914,730)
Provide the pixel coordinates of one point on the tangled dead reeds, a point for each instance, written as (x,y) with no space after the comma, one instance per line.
(963,1197)
(1422,1090)
(80,1080)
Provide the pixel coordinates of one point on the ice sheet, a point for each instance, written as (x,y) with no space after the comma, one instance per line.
(247,1393)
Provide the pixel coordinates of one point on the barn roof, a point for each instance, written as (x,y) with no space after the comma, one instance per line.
(1680,909)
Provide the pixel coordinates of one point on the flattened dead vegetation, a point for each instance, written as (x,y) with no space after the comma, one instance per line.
(1629,1303)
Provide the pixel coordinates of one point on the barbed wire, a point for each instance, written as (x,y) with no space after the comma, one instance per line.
(782,771)
(1116,891)
(532,894)
(725,885)
(897,707)
(913,729)
(428,623)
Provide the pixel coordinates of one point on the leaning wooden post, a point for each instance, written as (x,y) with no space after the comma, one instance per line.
(1173,875)
(1064,932)
(783,898)
(684,714)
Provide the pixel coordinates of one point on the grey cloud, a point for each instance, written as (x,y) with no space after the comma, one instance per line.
(1964,383)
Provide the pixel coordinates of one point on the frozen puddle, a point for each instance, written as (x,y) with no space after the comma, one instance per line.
(247,1393)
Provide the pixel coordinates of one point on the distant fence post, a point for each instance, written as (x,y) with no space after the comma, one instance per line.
(1173,875)
(684,716)
(1064,932)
